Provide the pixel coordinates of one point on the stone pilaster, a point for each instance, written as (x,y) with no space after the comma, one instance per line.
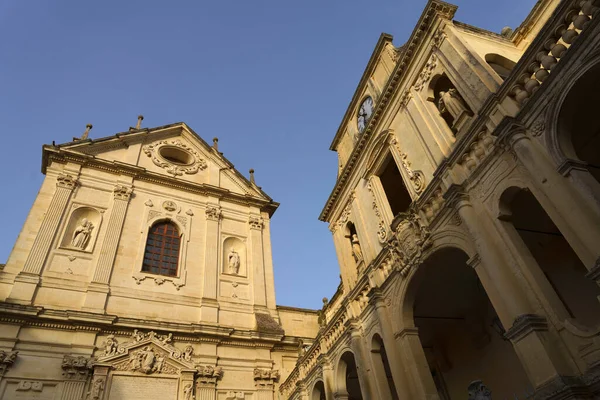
(328,380)
(400,380)
(98,289)
(255,223)
(264,381)
(206,382)
(363,364)
(26,282)
(211,262)
(76,371)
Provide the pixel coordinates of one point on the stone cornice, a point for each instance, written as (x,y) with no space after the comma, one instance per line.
(525,324)
(434,8)
(55,154)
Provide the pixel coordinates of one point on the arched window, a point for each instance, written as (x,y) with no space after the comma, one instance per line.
(161,255)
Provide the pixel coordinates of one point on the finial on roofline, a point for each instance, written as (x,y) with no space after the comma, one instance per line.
(216,143)
(85,134)
(252,176)
(139,122)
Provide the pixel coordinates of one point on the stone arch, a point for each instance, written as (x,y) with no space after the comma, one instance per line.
(558,139)
(382,369)
(453,331)
(500,64)
(318,391)
(346,376)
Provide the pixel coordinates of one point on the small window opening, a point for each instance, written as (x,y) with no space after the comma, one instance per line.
(397,195)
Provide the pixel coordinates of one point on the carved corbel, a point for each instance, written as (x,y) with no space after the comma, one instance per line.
(122,192)
(77,367)
(66,181)
(255,222)
(7,359)
(213,213)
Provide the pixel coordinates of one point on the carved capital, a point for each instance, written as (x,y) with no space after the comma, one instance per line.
(524,325)
(265,378)
(122,192)
(207,375)
(255,222)
(7,358)
(66,181)
(76,367)
(456,196)
(213,213)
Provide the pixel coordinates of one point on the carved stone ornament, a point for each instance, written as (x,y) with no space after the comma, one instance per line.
(66,181)
(411,239)
(208,375)
(393,52)
(264,378)
(255,222)
(7,358)
(381,230)
(213,213)
(195,163)
(169,205)
(76,367)
(33,386)
(425,75)
(438,38)
(538,128)
(122,192)
(96,389)
(231,395)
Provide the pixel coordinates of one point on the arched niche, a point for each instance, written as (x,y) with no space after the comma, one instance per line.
(234,257)
(347,383)
(449,103)
(500,64)
(82,229)
(318,392)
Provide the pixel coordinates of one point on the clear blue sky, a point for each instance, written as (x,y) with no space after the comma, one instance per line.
(272,79)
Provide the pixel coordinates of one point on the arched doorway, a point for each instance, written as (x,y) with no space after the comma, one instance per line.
(459,330)
(318,392)
(578,125)
(382,366)
(536,235)
(347,383)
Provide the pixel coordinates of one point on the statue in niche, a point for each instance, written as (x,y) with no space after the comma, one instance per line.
(233,259)
(356,250)
(478,391)
(451,102)
(81,235)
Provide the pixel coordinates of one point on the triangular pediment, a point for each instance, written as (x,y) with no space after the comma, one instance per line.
(149,355)
(172,152)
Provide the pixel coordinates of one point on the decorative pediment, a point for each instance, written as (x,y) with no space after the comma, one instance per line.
(146,353)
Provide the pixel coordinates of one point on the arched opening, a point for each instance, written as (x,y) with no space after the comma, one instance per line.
(393,185)
(460,332)
(552,253)
(161,255)
(501,65)
(318,392)
(382,365)
(578,128)
(449,103)
(347,378)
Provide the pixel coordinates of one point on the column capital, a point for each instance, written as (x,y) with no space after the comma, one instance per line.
(76,367)
(66,181)
(122,192)
(207,376)
(509,131)
(456,196)
(264,379)
(255,222)
(525,324)
(213,212)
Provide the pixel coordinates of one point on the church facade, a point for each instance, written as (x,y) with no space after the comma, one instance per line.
(465,217)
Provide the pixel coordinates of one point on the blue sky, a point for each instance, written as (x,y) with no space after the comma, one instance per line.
(272,79)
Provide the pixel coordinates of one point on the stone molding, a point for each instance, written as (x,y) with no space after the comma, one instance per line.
(524,325)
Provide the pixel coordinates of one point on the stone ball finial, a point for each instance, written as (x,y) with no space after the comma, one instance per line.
(252,175)
(325,300)
(140,116)
(89,126)
(216,143)
(139,122)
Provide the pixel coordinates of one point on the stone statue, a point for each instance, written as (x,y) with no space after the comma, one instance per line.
(478,391)
(147,360)
(451,102)
(188,391)
(166,339)
(187,353)
(81,235)
(356,250)
(233,259)
(95,392)
(110,345)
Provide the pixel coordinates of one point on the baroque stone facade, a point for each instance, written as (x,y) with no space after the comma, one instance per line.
(465,217)
(469,178)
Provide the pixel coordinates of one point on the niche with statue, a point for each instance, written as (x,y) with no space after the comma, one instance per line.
(82,229)
(449,103)
(234,257)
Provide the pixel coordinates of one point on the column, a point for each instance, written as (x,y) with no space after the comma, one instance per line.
(209,311)
(26,282)
(264,382)
(255,223)
(98,289)
(400,379)
(206,383)
(415,364)
(328,380)
(363,364)
(578,222)
(541,358)
(76,370)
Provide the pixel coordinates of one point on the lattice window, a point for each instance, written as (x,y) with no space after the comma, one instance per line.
(161,255)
